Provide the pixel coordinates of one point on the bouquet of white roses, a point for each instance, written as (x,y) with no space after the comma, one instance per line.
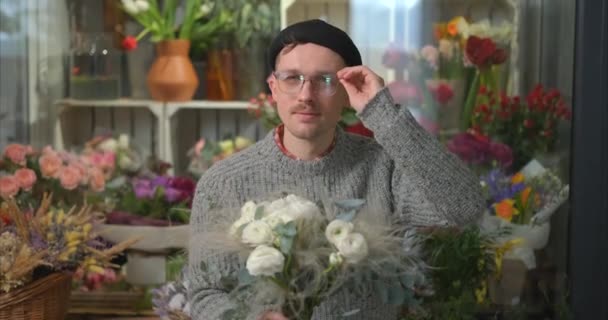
(296,258)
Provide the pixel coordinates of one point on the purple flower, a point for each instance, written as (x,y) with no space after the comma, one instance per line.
(161,181)
(173,195)
(144,192)
(500,186)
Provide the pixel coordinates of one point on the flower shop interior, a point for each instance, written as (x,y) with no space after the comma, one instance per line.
(103,144)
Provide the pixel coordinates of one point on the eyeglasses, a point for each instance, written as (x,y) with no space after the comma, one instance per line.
(292,83)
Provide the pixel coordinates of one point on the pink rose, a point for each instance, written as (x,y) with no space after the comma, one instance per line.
(25,178)
(16,153)
(97,180)
(9,186)
(50,165)
(82,168)
(69,177)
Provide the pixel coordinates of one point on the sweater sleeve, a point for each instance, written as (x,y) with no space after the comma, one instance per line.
(430,186)
(209,298)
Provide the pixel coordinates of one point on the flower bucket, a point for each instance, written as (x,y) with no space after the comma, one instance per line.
(507,289)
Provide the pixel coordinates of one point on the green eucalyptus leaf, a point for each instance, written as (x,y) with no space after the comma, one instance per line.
(286,244)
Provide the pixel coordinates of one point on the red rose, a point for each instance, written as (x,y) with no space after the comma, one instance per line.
(443,93)
(129,43)
(499,56)
(480,51)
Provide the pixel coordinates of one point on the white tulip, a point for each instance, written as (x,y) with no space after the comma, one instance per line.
(130,7)
(337,231)
(265,261)
(248,210)
(142,5)
(353,248)
(257,233)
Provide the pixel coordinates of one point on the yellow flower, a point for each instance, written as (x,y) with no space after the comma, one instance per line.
(96,269)
(227,146)
(87,228)
(72,236)
(59,217)
(505,209)
(517,178)
(481,292)
(452,27)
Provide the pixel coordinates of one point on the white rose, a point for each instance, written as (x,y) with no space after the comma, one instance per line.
(277,205)
(337,231)
(248,210)
(142,5)
(123,141)
(130,6)
(108,145)
(299,208)
(273,221)
(265,261)
(335,259)
(234,228)
(353,248)
(257,233)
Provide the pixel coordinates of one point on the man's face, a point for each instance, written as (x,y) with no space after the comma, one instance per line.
(311,109)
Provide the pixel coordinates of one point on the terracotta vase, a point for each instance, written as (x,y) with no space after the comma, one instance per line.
(172,76)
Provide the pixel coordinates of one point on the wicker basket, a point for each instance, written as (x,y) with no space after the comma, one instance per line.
(44,299)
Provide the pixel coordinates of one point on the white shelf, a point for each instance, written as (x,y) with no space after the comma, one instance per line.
(173,107)
(115,103)
(163,111)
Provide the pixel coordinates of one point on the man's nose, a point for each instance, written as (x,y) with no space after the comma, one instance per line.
(307,92)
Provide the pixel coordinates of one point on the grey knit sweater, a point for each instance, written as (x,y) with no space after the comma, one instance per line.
(406,169)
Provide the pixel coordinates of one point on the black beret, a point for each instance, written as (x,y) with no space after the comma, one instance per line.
(318,32)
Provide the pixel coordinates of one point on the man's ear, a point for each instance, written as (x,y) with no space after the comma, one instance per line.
(272,83)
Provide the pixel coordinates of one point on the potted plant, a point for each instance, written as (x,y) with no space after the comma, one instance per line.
(172,76)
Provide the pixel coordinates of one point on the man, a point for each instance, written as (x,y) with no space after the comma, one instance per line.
(316,72)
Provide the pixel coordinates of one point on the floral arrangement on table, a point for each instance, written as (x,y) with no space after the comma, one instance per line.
(50,239)
(162,23)
(114,155)
(26,174)
(528,125)
(264,107)
(296,257)
(439,75)
(523,204)
(154,200)
(205,152)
